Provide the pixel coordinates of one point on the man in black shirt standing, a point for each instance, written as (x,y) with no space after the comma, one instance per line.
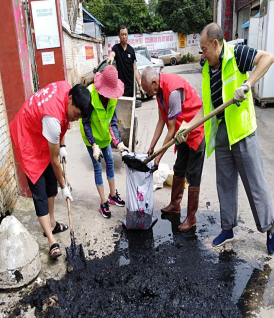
(125,58)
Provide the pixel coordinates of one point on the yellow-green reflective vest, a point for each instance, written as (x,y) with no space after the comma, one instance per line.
(240,121)
(99,120)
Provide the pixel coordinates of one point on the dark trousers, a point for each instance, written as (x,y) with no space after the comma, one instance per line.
(128,91)
(189,163)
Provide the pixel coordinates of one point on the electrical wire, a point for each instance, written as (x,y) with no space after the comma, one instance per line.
(120,4)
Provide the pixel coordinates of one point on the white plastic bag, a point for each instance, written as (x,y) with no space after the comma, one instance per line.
(139,197)
(160,176)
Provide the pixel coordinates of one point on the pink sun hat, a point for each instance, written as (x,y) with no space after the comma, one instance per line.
(107,83)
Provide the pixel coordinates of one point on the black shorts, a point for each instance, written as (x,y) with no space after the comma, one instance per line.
(44,188)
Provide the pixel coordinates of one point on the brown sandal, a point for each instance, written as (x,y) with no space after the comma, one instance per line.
(54,251)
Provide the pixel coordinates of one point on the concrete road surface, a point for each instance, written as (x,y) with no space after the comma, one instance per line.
(253,279)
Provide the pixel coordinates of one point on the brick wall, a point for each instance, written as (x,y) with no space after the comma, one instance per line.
(75,54)
(8,183)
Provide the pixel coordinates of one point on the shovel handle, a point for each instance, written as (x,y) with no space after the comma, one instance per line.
(68,200)
(189,129)
(69,216)
(65,175)
(71,231)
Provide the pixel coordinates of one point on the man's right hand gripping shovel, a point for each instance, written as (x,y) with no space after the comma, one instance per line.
(240,93)
(179,136)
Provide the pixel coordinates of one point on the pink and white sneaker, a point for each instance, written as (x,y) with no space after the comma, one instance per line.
(104,210)
(116,200)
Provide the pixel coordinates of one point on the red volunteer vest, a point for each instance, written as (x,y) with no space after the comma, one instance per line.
(30,145)
(190,107)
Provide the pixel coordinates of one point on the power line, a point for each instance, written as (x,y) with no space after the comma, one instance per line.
(114,4)
(119,4)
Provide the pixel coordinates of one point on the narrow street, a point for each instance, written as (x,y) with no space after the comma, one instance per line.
(157,273)
(249,244)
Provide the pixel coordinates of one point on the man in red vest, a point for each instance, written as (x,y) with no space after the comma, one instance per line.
(178,102)
(37,133)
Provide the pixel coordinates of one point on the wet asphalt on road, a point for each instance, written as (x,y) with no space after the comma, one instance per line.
(163,273)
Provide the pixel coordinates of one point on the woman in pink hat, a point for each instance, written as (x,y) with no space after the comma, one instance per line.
(100,128)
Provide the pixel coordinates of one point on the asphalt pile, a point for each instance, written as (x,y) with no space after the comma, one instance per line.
(177,279)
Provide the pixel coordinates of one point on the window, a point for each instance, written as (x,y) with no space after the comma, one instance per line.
(167,52)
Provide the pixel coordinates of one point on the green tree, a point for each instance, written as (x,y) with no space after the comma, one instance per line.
(112,13)
(152,6)
(96,8)
(156,23)
(185,16)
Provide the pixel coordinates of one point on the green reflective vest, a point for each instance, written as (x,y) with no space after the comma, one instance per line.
(240,121)
(99,120)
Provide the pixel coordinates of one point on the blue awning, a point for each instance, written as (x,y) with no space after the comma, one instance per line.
(92,18)
(245,25)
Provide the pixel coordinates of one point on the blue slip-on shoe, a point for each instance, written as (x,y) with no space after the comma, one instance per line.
(270,243)
(225,237)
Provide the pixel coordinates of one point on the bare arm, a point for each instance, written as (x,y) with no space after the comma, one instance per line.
(111,57)
(263,60)
(158,131)
(169,136)
(54,150)
(197,117)
(112,54)
(63,141)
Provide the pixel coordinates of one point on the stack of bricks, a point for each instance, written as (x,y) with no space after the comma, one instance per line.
(8,182)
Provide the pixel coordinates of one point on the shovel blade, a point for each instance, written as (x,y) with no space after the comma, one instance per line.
(75,257)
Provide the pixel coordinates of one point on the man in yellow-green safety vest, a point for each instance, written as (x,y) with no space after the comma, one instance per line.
(232,134)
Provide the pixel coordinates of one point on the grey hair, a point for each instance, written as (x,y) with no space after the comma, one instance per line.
(149,74)
(213,31)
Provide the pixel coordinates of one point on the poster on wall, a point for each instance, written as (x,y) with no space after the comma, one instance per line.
(154,42)
(48,58)
(89,52)
(227,19)
(45,24)
(193,39)
(182,40)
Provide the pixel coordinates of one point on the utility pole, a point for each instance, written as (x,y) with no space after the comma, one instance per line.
(215,10)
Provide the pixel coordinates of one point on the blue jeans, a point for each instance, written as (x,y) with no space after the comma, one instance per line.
(107,153)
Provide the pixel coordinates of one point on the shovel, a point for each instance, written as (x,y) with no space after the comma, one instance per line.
(139,165)
(75,253)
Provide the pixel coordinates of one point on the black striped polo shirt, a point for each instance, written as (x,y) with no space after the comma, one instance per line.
(244,57)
